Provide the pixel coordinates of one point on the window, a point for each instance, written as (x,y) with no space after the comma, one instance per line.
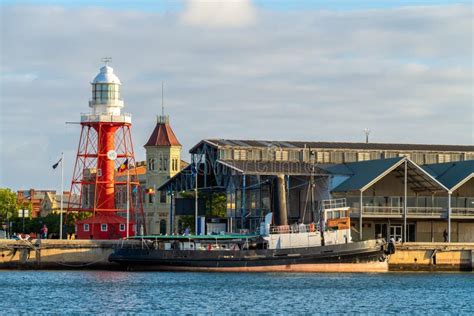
(86,227)
(165,164)
(444,158)
(122,227)
(455,157)
(162,196)
(363,156)
(160,166)
(390,155)
(430,158)
(103,227)
(375,155)
(150,198)
(337,157)
(322,156)
(151,164)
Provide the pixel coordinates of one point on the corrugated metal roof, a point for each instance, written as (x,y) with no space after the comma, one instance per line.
(342,145)
(362,173)
(451,174)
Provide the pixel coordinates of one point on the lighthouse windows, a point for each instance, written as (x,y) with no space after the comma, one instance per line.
(103,227)
(103,92)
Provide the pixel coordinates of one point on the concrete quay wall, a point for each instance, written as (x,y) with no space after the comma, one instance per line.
(93,254)
(433,257)
(57,254)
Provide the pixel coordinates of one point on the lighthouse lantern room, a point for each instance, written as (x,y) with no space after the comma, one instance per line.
(108,206)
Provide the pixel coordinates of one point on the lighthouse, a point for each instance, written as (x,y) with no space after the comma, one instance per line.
(111,206)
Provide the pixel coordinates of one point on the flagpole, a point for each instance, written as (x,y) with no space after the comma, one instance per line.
(128,201)
(62,193)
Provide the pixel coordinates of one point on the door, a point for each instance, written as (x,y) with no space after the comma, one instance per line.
(396,232)
(381,231)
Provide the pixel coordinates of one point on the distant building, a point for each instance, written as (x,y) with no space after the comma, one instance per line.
(163,158)
(404,191)
(35,197)
(334,152)
(51,203)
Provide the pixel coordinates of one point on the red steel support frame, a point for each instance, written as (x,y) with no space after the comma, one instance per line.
(94,186)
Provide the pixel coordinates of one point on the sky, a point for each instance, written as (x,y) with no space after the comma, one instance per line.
(276,70)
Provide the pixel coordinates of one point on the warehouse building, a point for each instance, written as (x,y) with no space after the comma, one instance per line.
(389,193)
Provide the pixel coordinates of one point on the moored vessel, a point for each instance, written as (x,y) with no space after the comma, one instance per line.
(323,247)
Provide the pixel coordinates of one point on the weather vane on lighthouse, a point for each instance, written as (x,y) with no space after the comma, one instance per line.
(106,60)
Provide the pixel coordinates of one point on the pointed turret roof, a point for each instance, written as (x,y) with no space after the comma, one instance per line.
(163,134)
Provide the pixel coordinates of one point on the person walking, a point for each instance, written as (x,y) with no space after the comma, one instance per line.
(445,236)
(44,232)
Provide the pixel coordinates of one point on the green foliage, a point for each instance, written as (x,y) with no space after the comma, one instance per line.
(8,204)
(216,205)
(33,225)
(186,221)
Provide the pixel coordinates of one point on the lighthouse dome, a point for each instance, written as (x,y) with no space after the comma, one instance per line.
(106,75)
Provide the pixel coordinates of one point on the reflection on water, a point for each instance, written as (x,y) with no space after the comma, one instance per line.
(152,292)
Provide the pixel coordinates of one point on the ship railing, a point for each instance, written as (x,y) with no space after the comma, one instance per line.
(334,203)
(293,229)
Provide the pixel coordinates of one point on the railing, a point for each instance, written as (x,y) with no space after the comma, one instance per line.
(427,211)
(293,229)
(462,211)
(412,211)
(104,117)
(381,210)
(334,203)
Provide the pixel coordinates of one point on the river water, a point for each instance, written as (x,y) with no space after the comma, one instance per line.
(82,292)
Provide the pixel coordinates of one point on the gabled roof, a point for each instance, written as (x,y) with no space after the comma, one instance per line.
(364,174)
(451,174)
(162,135)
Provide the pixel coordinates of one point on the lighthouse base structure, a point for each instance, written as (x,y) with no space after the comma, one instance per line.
(105,186)
(106,226)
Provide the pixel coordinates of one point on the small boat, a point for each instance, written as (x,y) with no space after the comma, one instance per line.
(327,247)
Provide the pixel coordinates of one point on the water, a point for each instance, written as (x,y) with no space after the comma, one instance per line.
(177,293)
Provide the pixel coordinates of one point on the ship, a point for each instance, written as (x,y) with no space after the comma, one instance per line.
(325,246)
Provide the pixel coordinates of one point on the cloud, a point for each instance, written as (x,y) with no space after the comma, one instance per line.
(304,75)
(219,13)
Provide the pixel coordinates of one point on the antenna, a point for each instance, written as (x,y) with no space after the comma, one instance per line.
(106,60)
(162,100)
(367,133)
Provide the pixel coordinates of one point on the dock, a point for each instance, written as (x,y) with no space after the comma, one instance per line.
(50,254)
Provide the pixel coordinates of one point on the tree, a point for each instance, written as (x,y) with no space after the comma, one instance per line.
(8,204)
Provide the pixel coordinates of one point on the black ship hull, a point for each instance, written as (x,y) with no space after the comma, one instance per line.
(362,256)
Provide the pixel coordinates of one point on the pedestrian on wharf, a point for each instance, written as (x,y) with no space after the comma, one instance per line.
(445,236)
(44,232)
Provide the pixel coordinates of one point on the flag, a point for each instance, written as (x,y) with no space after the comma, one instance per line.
(57,164)
(123,166)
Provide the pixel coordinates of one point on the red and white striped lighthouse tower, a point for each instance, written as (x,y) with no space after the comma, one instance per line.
(105,189)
